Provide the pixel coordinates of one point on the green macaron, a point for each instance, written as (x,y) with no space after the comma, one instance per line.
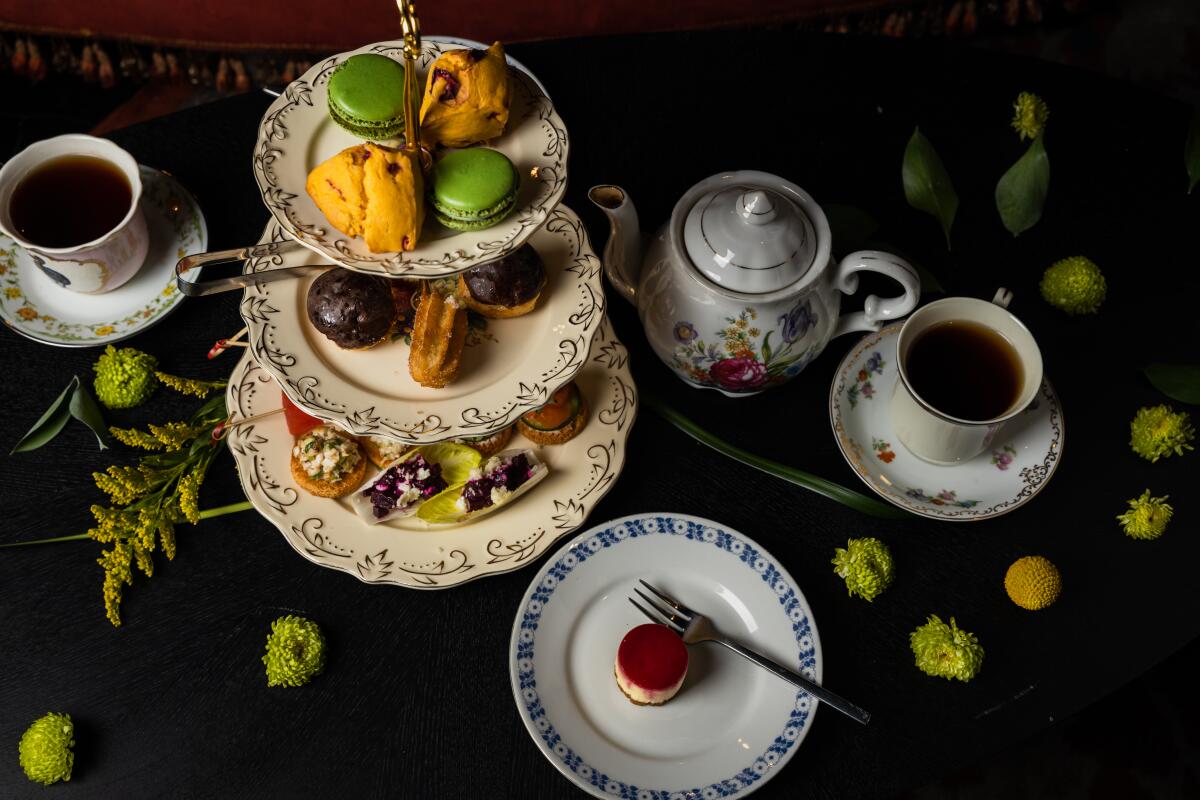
(473,189)
(366,96)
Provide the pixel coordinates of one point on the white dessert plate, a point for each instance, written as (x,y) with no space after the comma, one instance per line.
(1017,465)
(296,134)
(509,366)
(34,305)
(731,727)
(404,552)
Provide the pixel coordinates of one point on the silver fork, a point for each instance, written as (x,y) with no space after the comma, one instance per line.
(694,628)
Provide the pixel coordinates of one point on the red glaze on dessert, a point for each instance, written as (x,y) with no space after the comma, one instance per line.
(651,664)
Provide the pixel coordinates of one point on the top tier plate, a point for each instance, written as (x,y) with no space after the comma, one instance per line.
(296,134)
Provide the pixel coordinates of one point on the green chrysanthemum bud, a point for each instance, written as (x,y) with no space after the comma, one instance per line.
(1074,285)
(1158,431)
(946,651)
(295,651)
(45,749)
(124,378)
(1030,113)
(866,566)
(1147,517)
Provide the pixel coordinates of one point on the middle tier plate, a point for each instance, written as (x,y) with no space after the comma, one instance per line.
(509,366)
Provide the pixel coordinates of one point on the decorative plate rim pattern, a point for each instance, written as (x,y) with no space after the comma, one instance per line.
(308,383)
(317,234)
(79,334)
(443,558)
(1034,477)
(522,669)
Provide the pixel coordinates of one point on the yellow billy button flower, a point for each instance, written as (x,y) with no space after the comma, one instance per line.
(946,651)
(45,749)
(1147,517)
(1030,113)
(866,565)
(1158,431)
(124,377)
(1033,582)
(295,651)
(1075,285)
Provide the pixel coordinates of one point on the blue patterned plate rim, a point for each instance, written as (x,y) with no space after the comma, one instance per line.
(610,534)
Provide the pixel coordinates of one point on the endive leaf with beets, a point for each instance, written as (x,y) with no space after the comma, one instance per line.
(1191,151)
(83,408)
(833,491)
(1177,381)
(927,185)
(1021,192)
(51,422)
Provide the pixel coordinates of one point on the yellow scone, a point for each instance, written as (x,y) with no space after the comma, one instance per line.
(1033,582)
(374,192)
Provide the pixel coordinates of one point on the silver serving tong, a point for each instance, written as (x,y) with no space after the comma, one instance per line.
(273,250)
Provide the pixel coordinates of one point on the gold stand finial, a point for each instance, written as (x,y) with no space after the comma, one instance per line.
(410,29)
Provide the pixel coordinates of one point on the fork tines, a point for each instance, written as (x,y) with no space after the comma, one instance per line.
(657,619)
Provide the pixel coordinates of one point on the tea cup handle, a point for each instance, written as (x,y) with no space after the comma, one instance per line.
(876,310)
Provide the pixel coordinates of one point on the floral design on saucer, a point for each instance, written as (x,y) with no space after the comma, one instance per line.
(1008,474)
(740,358)
(34,305)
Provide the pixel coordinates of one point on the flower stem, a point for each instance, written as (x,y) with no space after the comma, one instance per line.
(207,513)
(821,486)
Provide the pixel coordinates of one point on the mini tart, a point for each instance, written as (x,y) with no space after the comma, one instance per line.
(382,450)
(506,287)
(322,487)
(488,445)
(651,664)
(558,421)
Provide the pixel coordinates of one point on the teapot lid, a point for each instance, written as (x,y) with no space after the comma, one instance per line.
(749,239)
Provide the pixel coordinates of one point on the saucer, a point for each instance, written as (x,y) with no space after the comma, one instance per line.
(732,727)
(1017,465)
(36,307)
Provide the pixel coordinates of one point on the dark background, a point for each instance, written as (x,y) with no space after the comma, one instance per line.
(415,700)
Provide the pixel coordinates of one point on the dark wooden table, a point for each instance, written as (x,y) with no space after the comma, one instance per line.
(415,701)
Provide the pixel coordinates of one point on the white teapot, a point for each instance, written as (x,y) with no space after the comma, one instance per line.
(737,291)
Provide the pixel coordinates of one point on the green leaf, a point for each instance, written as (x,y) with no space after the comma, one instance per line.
(927,186)
(83,408)
(1021,192)
(833,491)
(51,422)
(1178,381)
(1191,151)
(766,347)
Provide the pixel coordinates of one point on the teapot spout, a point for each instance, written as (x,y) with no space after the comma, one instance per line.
(623,251)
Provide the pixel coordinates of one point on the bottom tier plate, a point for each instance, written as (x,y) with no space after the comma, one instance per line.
(404,552)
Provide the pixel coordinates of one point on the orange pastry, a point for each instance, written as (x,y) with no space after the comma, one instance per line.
(374,192)
(438,336)
(466,97)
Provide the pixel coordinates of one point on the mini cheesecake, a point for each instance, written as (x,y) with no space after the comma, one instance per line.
(651,664)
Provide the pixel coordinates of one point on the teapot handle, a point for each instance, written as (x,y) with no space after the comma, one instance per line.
(876,310)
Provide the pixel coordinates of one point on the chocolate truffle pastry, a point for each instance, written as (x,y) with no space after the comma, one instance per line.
(438,337)
(352,310)
(506,287)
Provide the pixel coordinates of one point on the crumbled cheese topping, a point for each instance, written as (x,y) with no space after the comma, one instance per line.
(326,454)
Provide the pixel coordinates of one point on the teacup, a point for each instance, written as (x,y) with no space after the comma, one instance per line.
(106,261)
(931,433)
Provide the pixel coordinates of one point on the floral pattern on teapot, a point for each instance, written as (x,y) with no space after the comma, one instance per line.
(741,358)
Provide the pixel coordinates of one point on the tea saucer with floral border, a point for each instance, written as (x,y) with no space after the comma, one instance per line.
(1017,465)
(35,306)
